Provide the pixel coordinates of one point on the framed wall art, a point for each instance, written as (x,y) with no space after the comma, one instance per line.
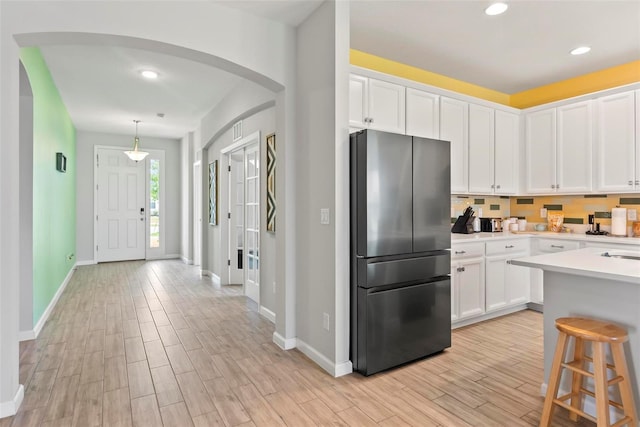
(271,183)
(213,192)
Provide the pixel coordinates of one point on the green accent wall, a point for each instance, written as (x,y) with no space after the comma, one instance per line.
(54,193)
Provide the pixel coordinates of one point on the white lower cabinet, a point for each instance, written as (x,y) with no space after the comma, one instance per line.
(467,278)
(506,284)
(484,281)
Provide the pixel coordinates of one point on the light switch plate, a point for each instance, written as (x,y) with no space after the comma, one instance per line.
(543,212)
(324,216)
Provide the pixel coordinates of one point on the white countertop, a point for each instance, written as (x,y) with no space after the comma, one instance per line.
(486,237)
(587,262)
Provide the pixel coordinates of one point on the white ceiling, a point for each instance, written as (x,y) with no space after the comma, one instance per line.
(524,48)
(104,91)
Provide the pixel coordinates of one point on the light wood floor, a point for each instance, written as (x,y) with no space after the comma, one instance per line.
(153,344)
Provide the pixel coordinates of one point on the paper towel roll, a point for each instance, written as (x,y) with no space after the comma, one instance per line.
(619,221)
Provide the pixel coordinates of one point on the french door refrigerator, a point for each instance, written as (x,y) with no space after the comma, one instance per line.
(400,241)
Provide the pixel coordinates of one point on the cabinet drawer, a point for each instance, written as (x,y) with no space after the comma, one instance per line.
(467,250)
(507,246)
(554,245)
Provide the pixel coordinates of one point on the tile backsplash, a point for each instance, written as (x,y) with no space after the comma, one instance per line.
(574,207)
(484,206)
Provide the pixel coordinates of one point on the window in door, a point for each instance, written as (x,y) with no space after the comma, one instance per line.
(154,203)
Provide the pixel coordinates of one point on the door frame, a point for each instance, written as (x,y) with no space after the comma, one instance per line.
(197,212)
(152,153)
(253,138)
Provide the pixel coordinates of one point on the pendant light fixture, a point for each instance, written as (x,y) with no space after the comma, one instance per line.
(135,154)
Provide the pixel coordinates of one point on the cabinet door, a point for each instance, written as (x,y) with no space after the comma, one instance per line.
(423,114)
(517,281)
(481,136)
(453,128)
(616,121)
(574,145)
(470,280)
(507,137)
(455,295)
(358,101)
(496,288)
(386,106)
(541,151)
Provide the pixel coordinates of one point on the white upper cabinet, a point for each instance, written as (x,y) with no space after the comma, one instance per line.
(541,151)
(507,140)
(376,104)
(618,158)
(358,101)
(454,128)
(423,114)
(574,147)
(481,149)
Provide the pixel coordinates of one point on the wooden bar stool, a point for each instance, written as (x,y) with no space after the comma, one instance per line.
(598,333)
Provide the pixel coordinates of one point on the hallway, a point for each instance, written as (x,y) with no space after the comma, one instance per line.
(152,343)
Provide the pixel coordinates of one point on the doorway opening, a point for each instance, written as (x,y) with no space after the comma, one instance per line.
(243,219)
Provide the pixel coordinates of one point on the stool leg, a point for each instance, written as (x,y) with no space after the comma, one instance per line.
(617,351)
(600,379)
(554,380)
(576,382)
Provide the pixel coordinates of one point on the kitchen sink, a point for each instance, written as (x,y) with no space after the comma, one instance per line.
(622,255)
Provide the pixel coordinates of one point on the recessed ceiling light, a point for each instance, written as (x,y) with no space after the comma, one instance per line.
(496,9)
(580,50)
(148,74)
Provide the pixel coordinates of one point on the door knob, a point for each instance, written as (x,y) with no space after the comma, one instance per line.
(141,211)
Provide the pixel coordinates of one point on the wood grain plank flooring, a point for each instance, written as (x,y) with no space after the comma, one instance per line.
(152,343)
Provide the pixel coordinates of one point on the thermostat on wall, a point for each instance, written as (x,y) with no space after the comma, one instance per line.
(61,162)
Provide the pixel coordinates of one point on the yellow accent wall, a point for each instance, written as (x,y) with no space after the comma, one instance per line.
(604,79)
(600,80)
(377,63)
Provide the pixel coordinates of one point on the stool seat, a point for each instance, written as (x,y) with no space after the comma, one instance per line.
(599,334)
(592,330)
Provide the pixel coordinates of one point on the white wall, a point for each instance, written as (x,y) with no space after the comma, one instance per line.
(320,157)
(86,141)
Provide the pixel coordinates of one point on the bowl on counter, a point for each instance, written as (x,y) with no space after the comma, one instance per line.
(540,227)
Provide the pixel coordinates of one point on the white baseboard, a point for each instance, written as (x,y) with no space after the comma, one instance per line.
(487,316)
(267,314)
(10,407)
(26,335)
(31,335)
(86,262)
(186,260)
(166,256)
(284,343)
(337,370)
(214,277)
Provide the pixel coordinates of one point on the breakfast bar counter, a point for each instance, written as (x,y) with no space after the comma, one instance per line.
(584,283)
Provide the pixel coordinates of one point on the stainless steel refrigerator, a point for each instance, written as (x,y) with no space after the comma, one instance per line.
(400,241)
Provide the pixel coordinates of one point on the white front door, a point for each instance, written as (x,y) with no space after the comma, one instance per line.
(252,222)
(121,202)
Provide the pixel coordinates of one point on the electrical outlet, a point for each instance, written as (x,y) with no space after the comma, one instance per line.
(543,212)
(632,214)
(324,216)
(325,321)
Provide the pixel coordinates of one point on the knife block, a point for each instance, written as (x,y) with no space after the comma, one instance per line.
(463,225)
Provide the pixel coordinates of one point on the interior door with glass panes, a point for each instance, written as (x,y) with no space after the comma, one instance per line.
(236,222)
(252,222)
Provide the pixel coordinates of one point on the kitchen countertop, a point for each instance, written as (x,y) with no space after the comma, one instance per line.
(587,262)
(486,237)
